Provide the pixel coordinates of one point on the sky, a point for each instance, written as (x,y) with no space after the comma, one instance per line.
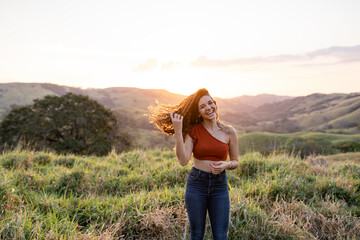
(230,47)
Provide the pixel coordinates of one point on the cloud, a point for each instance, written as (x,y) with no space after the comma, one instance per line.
(72,50)
(342,54)
(149,65)
(339,54)
(169,65)
(203,61)
(152,64)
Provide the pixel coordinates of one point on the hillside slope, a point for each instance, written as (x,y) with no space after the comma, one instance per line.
(14,94)
(337,112)
(315,112)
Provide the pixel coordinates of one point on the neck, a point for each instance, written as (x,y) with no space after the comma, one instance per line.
(210,124)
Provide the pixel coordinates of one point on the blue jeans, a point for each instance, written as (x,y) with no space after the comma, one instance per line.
(207,192)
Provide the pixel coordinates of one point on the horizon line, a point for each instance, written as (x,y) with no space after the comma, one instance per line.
(246,95)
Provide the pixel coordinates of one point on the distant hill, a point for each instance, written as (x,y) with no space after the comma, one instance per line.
(333,113)
(315,112)
(237,110)
(12,94)
(15,94)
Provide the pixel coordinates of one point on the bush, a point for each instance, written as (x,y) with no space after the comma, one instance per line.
(347,146)
(68,124)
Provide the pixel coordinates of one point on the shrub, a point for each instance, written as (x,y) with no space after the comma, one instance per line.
(68,124)
(347,146)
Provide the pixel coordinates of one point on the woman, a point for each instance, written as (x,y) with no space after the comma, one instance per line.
(198,130)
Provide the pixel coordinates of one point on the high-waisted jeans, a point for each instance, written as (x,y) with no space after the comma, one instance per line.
(207,192)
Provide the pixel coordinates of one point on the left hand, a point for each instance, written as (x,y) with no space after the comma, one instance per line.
(218,167)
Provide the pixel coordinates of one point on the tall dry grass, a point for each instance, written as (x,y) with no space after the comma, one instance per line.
(140,195)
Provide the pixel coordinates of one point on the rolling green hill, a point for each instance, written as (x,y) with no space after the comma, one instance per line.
(302,143)
(344,113)
(338,113)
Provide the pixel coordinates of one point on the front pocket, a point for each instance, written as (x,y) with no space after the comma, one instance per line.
(194,175)
(222,177)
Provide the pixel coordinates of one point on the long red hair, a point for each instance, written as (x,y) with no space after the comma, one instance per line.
(188,108)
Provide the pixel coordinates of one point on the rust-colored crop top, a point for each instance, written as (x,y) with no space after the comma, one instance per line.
(206,146)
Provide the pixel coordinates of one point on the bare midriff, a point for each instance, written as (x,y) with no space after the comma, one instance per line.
(203,165)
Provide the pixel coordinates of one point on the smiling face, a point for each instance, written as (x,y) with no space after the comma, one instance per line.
(207,108)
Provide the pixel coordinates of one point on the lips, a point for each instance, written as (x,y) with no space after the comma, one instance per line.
(210,112)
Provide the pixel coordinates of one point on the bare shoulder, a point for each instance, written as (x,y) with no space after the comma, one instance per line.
(232,131)
(229,129)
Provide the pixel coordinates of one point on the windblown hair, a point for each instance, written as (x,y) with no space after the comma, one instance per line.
(188,108)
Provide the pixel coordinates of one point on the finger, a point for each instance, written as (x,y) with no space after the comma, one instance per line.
(218,167)
(175,117)
(178,117)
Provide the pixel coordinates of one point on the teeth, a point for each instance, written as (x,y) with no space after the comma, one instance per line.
(210,112)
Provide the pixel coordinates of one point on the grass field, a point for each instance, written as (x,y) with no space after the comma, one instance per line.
(140,195)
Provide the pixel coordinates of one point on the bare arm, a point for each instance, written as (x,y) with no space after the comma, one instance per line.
(234,149)
(183,148)
(233,153)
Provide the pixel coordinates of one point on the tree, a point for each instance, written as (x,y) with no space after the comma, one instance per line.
(68,124)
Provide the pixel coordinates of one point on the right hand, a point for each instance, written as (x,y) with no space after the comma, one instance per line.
(177,121)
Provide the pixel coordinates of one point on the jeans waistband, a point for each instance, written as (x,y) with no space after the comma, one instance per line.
(203,173)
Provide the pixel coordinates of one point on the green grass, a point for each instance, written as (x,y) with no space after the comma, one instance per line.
(140,195)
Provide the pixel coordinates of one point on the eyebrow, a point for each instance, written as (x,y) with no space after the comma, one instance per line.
(204,103)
